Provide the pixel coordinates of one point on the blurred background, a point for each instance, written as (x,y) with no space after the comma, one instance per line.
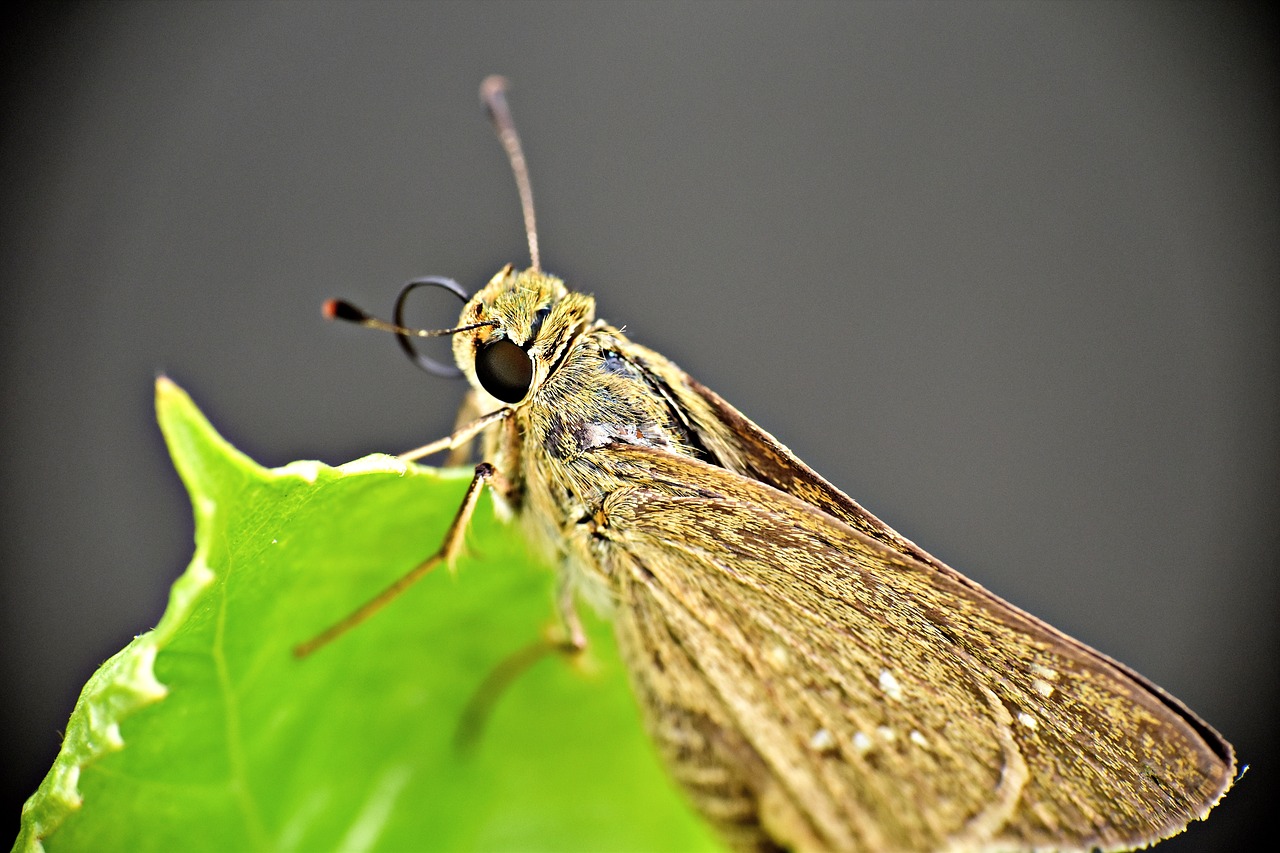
(1006,273)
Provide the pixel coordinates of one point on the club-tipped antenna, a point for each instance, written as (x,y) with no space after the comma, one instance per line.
(341,309)
(493,94)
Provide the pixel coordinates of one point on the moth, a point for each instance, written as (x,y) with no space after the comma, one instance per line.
(814,680)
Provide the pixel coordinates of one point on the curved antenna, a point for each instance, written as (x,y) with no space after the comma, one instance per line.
(426,362)
(493,94)
(341,309)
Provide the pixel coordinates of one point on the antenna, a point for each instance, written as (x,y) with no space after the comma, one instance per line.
(493,94)
(341,309)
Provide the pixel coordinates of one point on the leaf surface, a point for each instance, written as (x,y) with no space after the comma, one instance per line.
(207,734)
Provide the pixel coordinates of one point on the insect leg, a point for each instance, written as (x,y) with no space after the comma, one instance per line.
(481,704)
(569,614)
(460,437)
(448,552)
(570,644)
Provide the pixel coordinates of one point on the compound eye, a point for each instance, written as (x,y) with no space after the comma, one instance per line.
(504,370)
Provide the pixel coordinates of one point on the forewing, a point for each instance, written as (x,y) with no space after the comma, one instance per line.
(733,441)
(815,688)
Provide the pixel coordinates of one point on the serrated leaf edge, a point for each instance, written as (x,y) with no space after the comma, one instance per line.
(126,682)
(120,687)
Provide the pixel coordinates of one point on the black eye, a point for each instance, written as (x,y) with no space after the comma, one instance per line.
(504,370)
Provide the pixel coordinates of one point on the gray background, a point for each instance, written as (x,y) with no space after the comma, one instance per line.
(1006,273)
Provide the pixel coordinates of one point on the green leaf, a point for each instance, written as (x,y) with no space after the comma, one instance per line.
(206,733)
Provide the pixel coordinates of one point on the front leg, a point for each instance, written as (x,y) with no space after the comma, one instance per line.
(448,552)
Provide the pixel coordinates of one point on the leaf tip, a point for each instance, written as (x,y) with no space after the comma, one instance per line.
(169,395)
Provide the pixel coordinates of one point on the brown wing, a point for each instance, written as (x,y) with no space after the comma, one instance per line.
(814,688)
(731,440)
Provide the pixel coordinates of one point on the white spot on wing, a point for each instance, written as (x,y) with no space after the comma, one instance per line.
(1028,721)
(890,685)
(822,741)
(1047,673)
